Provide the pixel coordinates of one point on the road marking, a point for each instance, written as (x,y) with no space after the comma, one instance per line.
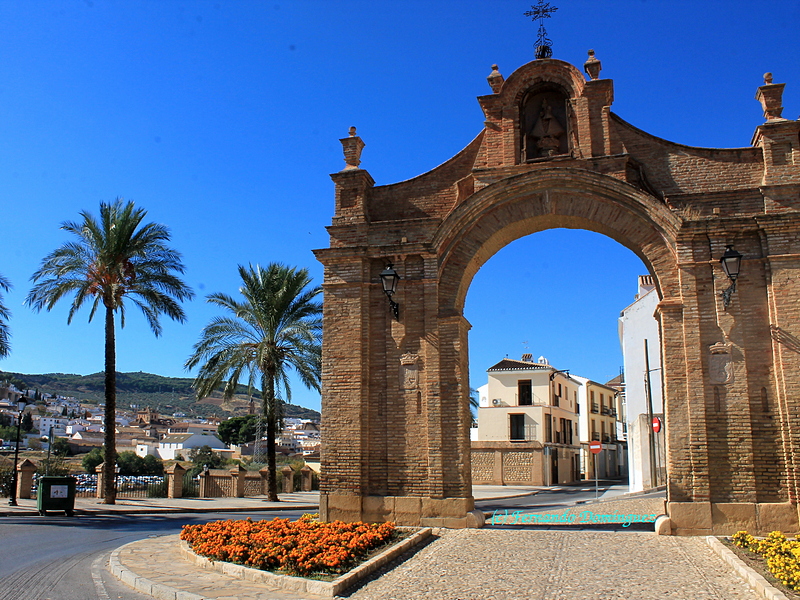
(98,579)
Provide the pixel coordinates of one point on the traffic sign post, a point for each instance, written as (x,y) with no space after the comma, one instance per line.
(595,448)
(656,424)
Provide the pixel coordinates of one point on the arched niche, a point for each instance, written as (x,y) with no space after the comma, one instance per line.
(544,122)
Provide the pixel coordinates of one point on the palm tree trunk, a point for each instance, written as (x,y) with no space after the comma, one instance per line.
(110,420)
(268,389)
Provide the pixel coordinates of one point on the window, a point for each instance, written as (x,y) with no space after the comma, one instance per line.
(548,429)
(517,428)
(525,392)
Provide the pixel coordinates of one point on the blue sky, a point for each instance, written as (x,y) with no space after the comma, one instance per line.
(222,120)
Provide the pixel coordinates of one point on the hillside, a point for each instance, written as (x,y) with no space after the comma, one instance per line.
(165,394)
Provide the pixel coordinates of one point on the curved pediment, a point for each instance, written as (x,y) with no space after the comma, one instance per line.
(542,72)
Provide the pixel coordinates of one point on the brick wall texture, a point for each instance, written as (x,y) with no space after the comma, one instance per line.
(395,392)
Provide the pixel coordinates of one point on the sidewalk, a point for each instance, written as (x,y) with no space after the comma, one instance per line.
(308,501)
(484,564)
(125,506)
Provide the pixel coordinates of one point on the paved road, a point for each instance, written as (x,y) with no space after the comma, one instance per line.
(58,558)
(558,496)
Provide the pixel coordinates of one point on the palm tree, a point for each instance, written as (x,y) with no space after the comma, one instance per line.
(275,330)
(474,403)
(5,315)
(113,259)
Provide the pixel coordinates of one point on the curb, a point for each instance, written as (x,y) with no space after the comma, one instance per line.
(522,495)
(144,585)
(151,511)
(760,585)
(624,495)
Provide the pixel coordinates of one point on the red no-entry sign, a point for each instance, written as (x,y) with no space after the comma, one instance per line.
(656,424)
(595,447)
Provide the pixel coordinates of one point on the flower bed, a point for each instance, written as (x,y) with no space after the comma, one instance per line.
(304,547)
(782,556)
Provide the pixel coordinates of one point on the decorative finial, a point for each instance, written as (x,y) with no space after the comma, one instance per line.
(770,95)
(542,11)
(495,79)
(352,147)
(592,66)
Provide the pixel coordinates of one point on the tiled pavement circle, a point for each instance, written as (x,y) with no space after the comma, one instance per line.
(498,564)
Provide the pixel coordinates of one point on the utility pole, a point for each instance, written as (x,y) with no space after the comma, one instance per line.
(650,436)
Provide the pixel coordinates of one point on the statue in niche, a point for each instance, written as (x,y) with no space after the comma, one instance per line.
(547,131)
(544,121)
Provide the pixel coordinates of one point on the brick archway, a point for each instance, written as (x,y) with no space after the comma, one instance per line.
(395,410)
(548,198)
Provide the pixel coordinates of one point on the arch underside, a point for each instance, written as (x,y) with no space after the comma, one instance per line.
(500,214)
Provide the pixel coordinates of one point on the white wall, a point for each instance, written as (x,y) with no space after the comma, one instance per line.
(637,324)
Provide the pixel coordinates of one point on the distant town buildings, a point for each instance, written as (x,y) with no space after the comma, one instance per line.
(144,431)
(535,423)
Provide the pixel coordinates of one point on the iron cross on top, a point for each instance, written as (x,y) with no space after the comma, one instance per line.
(542,11)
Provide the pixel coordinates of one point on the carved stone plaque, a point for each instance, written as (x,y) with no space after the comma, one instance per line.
(409,371)
(720,364)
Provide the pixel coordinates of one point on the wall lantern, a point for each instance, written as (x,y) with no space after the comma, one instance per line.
(12,500)
(731,262)
(389,279)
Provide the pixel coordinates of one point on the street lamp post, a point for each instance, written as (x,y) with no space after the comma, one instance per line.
(12,500)
(389,279)
(731,262)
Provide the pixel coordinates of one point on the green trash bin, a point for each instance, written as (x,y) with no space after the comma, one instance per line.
(56,494)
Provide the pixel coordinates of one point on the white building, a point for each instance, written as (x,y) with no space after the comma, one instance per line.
(531,408)
(58,424)
(597,422)
(638,329)
(183,443)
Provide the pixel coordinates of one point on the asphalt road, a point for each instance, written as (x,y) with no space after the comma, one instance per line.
(560,496)
(61,558)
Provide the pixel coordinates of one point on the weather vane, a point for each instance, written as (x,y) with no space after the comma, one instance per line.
(542,11)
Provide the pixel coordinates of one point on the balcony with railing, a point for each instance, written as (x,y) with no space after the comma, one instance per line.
(595,407)
(595,436)
(606,438)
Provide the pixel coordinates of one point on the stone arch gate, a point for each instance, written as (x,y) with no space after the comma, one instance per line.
(552,154)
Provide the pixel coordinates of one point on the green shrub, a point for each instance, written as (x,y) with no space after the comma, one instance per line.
(91,461)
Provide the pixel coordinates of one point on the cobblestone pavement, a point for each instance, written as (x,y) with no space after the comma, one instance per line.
(495,564)
(558,563)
